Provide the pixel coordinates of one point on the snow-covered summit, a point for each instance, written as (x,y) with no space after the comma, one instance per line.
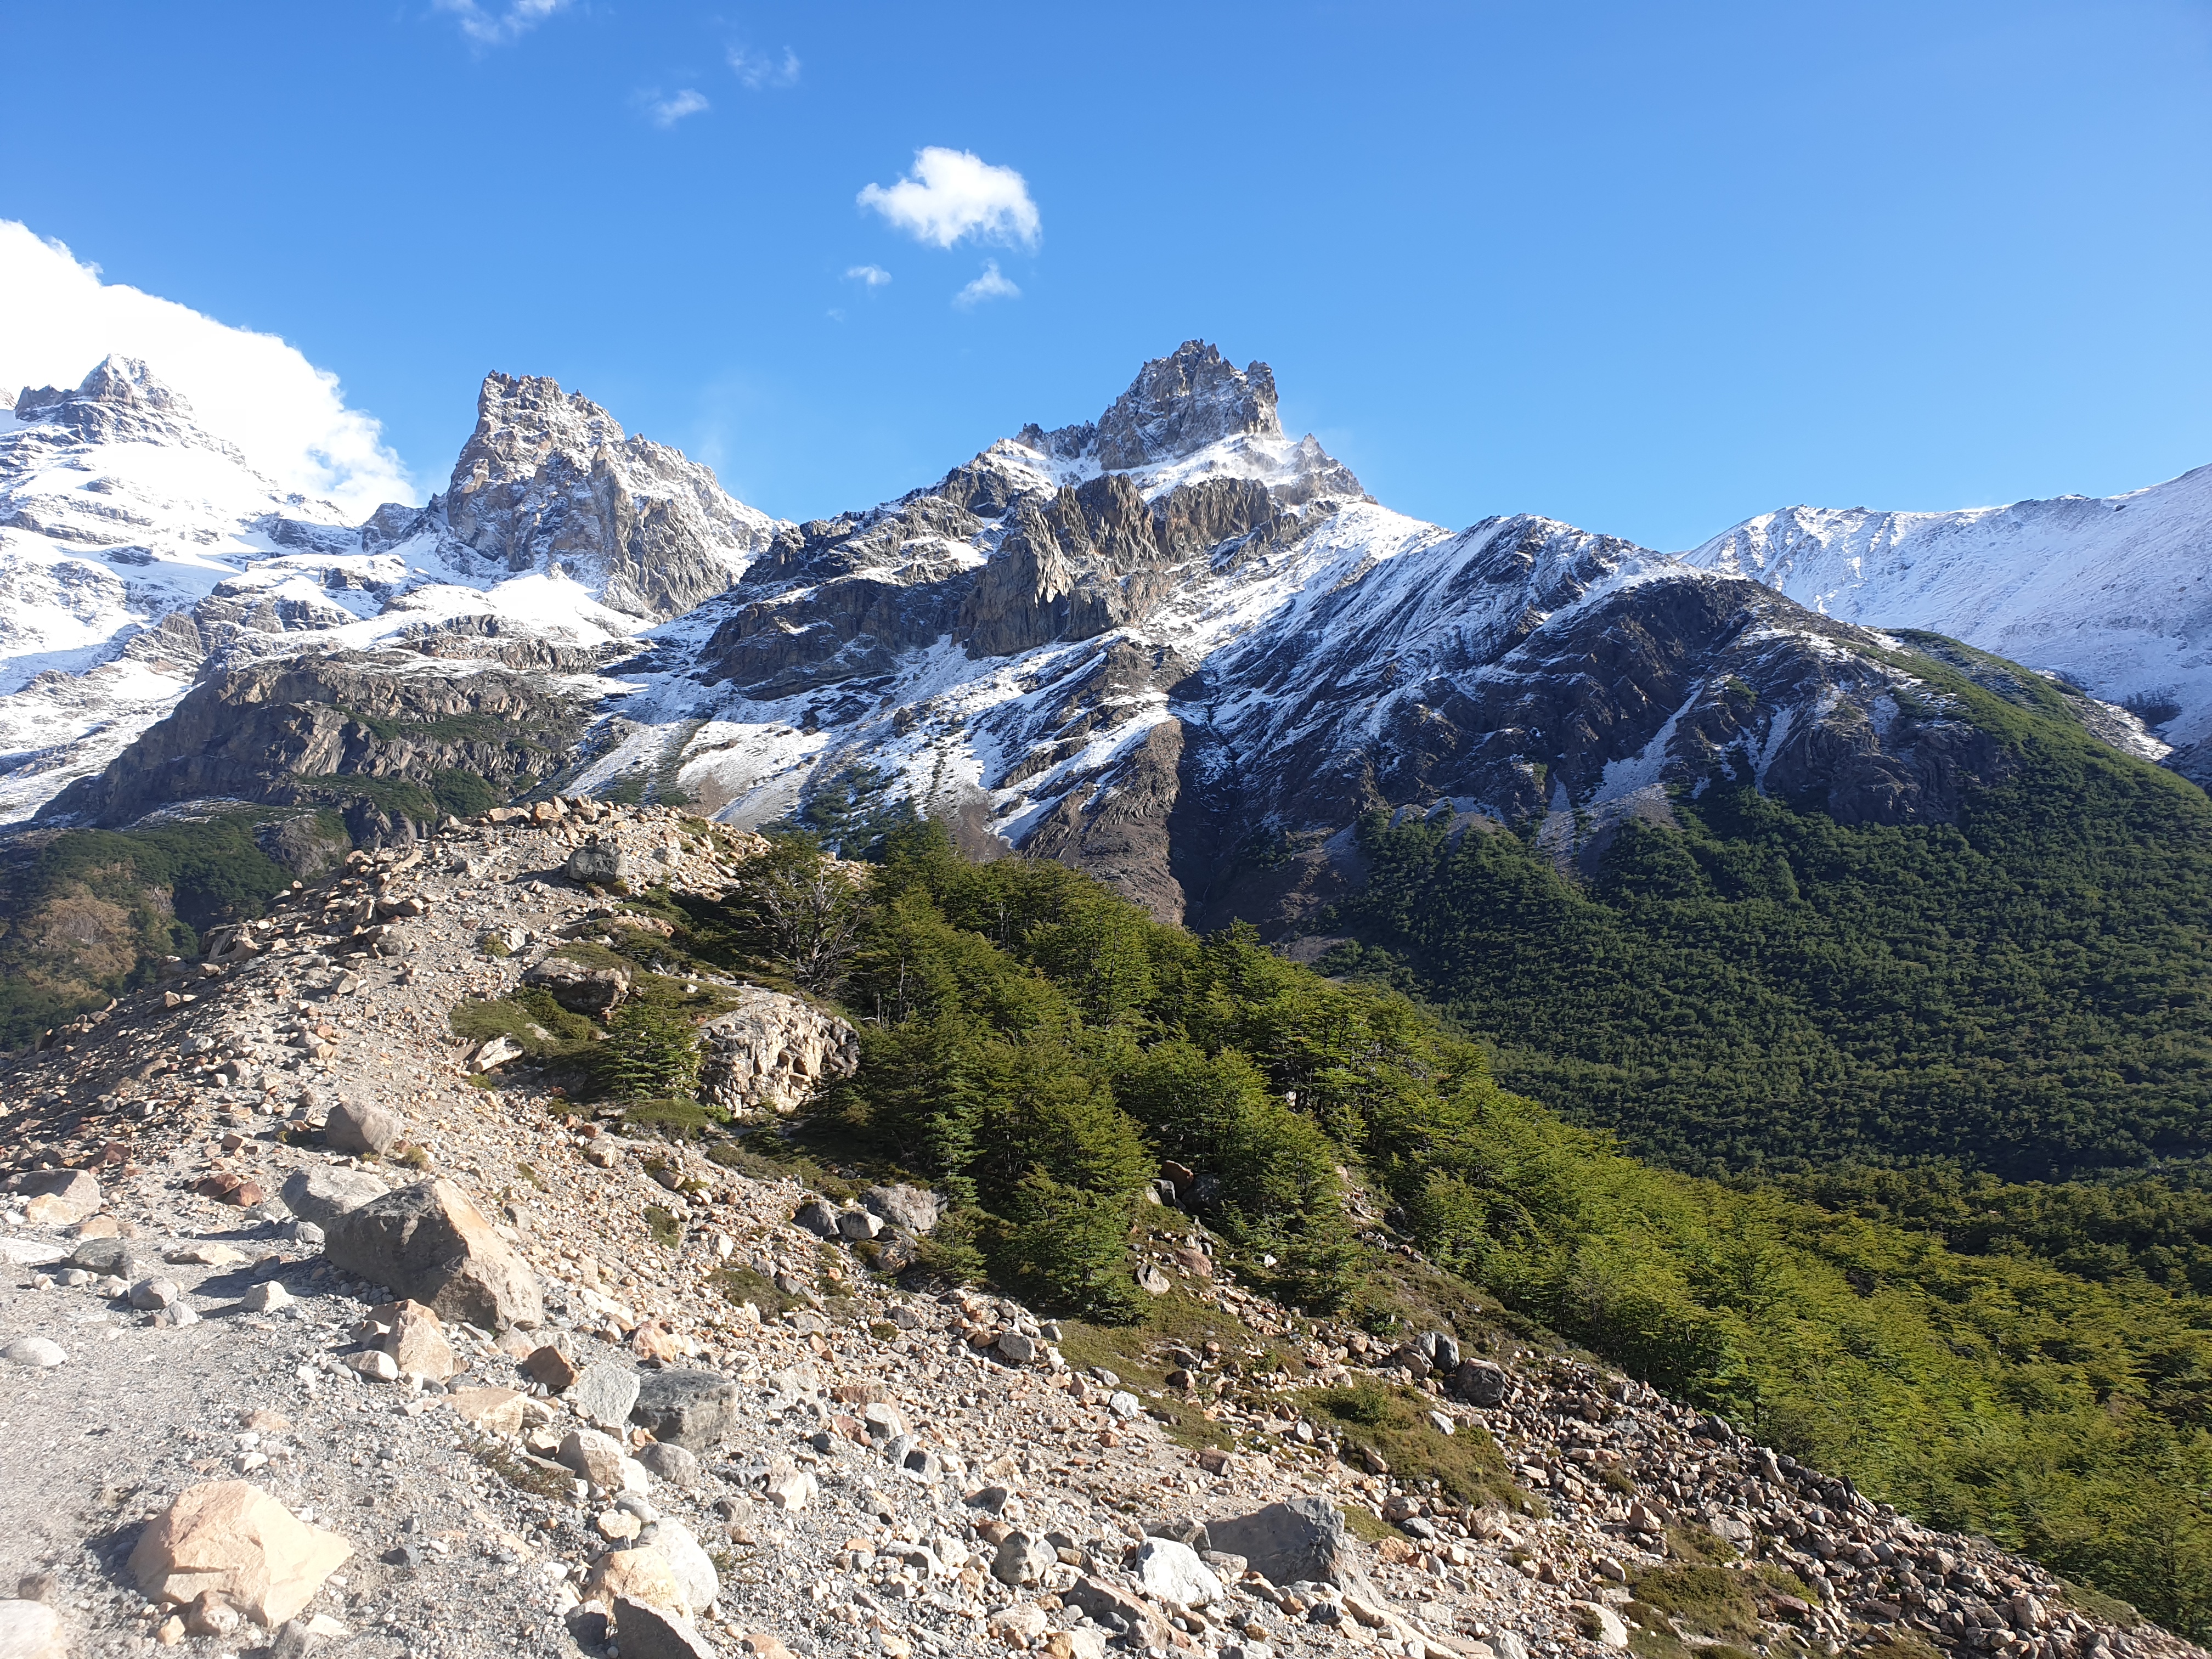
(2112,594)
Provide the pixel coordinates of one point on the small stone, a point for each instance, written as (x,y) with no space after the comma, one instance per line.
(375,1364)
(203,1255)
(150,1295)
(790,1490)
(1153,1282)
(211,1614)
(415,1337)
(762,1645)
(40,1353)
(267,1298)
(1125,1405)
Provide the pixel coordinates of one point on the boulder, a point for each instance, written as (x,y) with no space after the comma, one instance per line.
(1480,1383)
(695,1573)
(597,1457)
(320,1196)
(686,1407)
(549,1365)
(429,1244)
(645,1631)
(579,987)
(1305,1538)
(58,1198)
(111,1258)
(772,1051)
(361,1126)
(859,1225)
(1023,1558)
(818,1216)
(31,1630)
(1100,1600)
(1600,1624)
(495,1411)
(676,1465)
(598,861)
(604,1395)
(642,1574)
(231,1537)
(1170,1571)
(416,1341)
(904,1206)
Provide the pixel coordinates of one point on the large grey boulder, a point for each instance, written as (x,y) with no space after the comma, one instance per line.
(688,1408)
(429,1243)
(1302,1539)
(361,1126)
(322,1194)
(598,861)
(902,1205)
(1480,1383)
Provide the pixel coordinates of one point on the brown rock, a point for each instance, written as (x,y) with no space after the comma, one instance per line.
(654,1341)
(549,1365)
(212,1614)
(495,1411)
(644,1574)
(430,1244)
(99,1226)
(760,1645)
(416,1341)
(58,1198)
(231,1537)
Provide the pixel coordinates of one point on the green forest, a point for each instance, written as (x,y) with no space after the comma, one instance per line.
(2023,992)
(1037,1046)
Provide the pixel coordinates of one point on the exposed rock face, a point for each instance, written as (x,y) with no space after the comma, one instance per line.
(271,731)
(771,1051)
(548,479)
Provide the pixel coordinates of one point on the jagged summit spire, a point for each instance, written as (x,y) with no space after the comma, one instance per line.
(120,400)
(1176,406)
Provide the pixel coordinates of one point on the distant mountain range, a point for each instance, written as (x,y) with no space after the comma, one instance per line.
(1173,646)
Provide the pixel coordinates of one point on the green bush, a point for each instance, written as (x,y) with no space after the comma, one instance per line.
(651,1052)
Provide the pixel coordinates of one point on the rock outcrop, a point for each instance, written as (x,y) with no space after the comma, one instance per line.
(772,1051)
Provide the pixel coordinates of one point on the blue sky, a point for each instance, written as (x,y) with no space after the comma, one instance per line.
(1648,268)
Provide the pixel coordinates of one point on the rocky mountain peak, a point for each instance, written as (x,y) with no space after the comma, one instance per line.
(1179,404)
(549,481)
(1176,406)
(121,400)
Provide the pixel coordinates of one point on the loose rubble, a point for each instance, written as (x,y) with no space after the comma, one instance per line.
(313,1342)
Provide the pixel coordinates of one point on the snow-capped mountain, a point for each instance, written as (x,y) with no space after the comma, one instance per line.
(2113,593)
(1174,646)
(138,553)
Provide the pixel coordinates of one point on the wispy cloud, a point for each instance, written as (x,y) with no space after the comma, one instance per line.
(496,29)
(952,193)
(667,112)
(873,276)
(764,72)
(989,286)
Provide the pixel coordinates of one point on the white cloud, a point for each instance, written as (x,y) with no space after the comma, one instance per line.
(757,72)
(873,276)
(496,29)
(667,112)
(58,319)
(989,286)
(951,194)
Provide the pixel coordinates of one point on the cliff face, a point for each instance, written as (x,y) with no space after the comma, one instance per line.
(272,731)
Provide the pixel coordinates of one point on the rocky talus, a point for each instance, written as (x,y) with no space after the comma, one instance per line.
(325,1331)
